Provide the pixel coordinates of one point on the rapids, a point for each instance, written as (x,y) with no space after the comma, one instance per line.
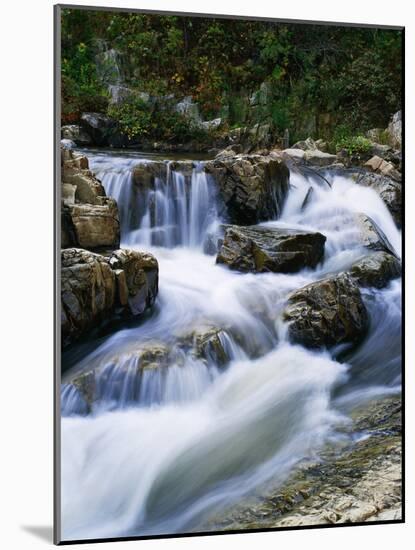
(162,449)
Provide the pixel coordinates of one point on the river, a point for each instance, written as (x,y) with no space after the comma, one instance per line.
(163,447)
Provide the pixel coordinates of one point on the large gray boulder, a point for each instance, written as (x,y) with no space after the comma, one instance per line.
(264,249)
(326,313)
(376,270)
(389,190)
(252,187)
(95,288)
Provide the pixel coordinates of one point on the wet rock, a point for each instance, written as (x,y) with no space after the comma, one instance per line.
(326,313)
(93,288)
(264,249)
(208,344)
(141,276)
(307,199)
(376,270)
(354,482)
(144,173)
(389,190)
(252,187)
(371,236)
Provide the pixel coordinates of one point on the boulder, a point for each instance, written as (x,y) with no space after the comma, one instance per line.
(371,236)
(306,145)
(141,277)
(87,292)
(295,154)
(96,225)
(326,313)
(389,190)
(99,127)
(264,249)
(92,288)
(76,133)
(88,188)
(376,270)
(252,188)
(394,130)
(145,172)
(208,345)
(380,166)
(319,158)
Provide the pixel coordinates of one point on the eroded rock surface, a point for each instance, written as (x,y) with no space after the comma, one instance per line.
(325,313)
(95,288)
(264,249)
(376,270)
(360,482)
(252,187)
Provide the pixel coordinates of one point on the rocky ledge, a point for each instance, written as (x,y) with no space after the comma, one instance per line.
(252,188)
(355,482)
(96,288)
(265,249)
(89,219)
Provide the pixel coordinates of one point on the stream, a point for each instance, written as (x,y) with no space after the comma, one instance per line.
(164,447)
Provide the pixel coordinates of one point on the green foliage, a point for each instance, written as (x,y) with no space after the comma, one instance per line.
(347,76)
(133,118)
(353,144)
(137,120)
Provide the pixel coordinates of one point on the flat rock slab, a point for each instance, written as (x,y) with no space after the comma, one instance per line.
(263,249)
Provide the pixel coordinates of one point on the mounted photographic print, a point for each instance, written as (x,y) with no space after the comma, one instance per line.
(228,274)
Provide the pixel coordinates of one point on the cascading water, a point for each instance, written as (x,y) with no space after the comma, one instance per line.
(162,447)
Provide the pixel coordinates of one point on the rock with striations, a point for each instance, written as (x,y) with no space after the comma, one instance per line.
(325,313)
(389,190)
(95,288)
(89,218)
(371,236)
(265,249)
(141,277)
(376,270)
(252,188)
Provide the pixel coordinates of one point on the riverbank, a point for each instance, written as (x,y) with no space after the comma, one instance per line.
(359,481)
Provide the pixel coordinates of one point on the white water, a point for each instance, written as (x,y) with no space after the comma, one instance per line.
(164,448)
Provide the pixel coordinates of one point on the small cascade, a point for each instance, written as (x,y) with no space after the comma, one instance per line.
(177,209)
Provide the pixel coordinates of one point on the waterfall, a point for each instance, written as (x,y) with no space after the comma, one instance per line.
(176,210)
(157,445)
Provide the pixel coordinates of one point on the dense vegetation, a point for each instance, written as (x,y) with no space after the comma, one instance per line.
(331,82)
